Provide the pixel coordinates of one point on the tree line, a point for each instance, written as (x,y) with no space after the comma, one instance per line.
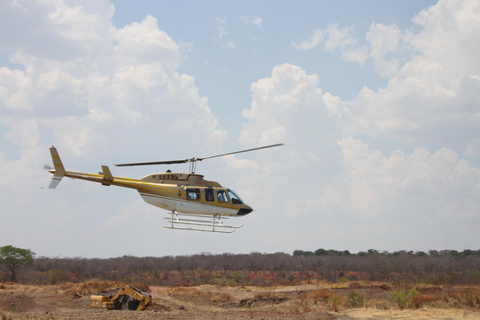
(447,267)
(435,253)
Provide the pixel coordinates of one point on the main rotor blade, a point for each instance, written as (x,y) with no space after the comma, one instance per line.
(193,159)
(227,154)
(151,163)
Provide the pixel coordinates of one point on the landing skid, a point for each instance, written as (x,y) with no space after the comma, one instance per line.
(199,223)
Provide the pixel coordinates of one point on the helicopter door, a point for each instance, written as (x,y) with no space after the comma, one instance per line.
(209,194)
(222,195)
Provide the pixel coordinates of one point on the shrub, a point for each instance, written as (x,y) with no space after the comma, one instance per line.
(357,299)
(235,278)
(334,303)
(221,298)
(319,295)
(405,300)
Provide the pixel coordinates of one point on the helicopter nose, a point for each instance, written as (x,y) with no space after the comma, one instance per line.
(244,211)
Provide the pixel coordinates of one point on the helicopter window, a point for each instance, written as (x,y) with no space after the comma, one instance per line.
(222,196)
(209,194)
(193,194)
(235,199)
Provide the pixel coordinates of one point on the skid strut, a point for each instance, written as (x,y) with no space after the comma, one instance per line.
(199,223)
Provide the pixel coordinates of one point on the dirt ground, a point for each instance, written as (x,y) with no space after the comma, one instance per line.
(309,301)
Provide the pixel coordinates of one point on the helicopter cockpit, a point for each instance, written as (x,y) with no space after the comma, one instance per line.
(209,193)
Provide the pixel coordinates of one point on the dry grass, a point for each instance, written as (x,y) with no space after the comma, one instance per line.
(301,309)
(318,300)
(470,297)
(200,296)
(222,297)
(423,299)
(262,295)
(320,296)
(5,316)
(92,287)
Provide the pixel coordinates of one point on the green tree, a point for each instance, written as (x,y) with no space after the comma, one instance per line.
(13,258)
(321,252)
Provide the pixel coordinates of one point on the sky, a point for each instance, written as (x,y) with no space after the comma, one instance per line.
(377,103)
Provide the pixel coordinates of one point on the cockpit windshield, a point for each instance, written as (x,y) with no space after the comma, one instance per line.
(233,196)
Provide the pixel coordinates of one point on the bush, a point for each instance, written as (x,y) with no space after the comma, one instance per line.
(235,278)
(357,299)
(405,300)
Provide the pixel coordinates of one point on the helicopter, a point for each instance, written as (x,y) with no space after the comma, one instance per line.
(195,204)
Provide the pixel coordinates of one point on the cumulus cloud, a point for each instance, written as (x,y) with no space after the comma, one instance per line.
(43,25)
(142,43)
(433,185)
(432,97)
(138,84)
(288,99)
(383,39)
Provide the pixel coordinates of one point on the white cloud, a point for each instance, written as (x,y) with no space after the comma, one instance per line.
(288,99)
(74,23)
(334,39)
(339,38)
(473,148)
(432,97)
(383,39)
(24,133)
(317,37)
(258,21)
(43,25)
(141,43)
(432,186)
(221,23)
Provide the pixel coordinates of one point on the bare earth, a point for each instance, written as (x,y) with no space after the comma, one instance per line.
(223,302)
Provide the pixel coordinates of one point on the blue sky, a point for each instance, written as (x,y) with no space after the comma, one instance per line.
(376,101)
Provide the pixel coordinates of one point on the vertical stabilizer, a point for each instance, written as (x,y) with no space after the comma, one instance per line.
(58,171)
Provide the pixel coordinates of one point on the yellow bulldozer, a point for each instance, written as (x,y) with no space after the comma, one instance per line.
(124,298)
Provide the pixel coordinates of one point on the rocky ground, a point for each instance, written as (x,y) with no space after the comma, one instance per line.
(309,301)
